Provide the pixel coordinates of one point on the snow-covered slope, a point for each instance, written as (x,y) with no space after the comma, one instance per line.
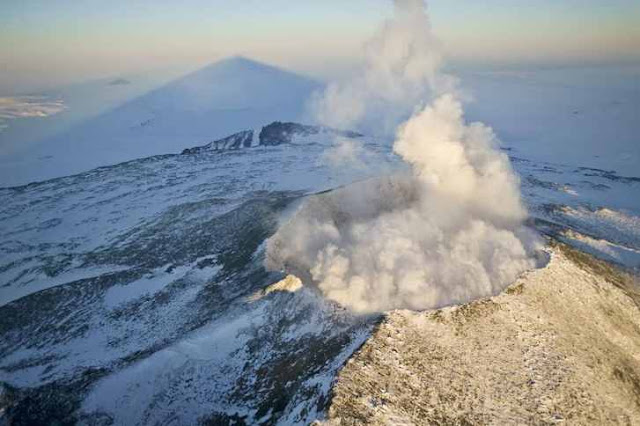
(136,293)
(80,102)
(220,99)
(584,117)
(561,345)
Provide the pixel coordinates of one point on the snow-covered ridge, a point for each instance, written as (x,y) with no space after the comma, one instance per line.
(238,140)
(143,271)
(122,288)
(274,134)
(560,345)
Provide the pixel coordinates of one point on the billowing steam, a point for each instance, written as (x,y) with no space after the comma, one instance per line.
(448,232)
(401,71)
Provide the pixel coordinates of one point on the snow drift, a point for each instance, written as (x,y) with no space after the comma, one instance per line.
(449,231)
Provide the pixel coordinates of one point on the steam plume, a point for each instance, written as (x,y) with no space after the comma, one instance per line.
(400,72)
(448,232)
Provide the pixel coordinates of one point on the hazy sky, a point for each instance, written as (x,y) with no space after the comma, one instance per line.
(48,42)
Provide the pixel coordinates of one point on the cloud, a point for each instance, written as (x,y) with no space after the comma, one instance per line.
(400,70)
(448,232)
(12,108)
(346,152)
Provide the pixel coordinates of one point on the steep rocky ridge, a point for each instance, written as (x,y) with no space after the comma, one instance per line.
(562,344)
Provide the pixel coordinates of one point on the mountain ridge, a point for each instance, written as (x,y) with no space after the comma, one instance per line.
(210,103)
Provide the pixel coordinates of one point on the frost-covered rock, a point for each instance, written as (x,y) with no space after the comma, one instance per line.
(562,344)
(236,141)
(278,133)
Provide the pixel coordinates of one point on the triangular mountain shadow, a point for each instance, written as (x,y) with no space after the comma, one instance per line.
(213,102)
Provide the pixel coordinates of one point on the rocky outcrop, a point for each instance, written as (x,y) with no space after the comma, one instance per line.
(562,344)
(278,133)
(274,134)
(236,141)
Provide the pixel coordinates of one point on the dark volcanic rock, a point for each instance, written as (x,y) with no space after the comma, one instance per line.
(236,141)
(607,174)
(278,133)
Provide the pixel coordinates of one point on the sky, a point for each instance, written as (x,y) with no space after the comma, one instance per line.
(44,43)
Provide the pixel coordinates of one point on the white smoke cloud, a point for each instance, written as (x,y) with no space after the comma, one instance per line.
(346,152)
(448,232)
(400,71)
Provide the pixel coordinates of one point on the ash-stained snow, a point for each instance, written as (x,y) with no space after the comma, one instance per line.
(130,286)
(240,365)
(135,293)
(128,293)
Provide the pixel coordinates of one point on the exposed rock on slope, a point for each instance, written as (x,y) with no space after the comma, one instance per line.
(136,294)
(235,141)
(274,134)
(278,133)
(561,344)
